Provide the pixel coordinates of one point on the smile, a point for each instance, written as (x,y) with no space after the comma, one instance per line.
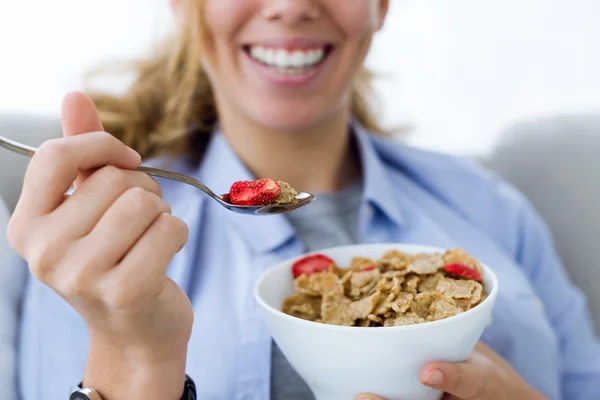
(292,61)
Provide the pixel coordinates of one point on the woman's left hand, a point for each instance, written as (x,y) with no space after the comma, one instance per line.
(485,375)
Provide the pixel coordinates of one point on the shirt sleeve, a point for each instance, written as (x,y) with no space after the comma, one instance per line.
(13,273)
(564,304)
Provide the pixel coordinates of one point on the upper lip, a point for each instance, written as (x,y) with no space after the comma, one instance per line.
(295,43)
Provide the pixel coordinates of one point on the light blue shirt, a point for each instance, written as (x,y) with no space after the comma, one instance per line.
(12,280)
(540,325)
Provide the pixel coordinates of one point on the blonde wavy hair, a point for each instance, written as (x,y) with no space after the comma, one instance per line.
(170,108)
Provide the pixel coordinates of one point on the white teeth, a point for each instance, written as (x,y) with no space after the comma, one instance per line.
(269,58)
(282,59)
(298,59)
(315,56)
(285,60)
(257,52)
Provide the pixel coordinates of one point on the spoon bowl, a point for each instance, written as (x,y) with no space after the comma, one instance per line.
(302,197)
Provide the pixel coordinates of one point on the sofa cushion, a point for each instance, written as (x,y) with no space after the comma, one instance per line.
(555,162)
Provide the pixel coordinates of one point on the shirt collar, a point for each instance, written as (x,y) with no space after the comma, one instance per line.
(379,190)
(221,167)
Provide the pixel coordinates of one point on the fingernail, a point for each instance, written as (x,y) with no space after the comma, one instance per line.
(435,377)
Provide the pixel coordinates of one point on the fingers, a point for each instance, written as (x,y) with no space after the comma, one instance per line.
(122,226)
(57,163)
(464,380)
(80,213)
(146,263)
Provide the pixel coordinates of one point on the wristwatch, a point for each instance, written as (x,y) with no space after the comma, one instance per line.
(84,394)
(79,393)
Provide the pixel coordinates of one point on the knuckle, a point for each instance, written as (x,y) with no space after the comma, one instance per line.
(43,261)
(469,383)
(140,200)
(454,378)
(140,203)
(148,182)
(164,223)
(105,138)
(75,285)
(144,202)
(478,389)
(108,141)
(173,226)
(54,149)
(480,386)
(111,176)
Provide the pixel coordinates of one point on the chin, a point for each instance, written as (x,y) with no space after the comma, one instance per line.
(292,119)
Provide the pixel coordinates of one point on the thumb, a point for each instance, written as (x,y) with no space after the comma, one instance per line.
(464,380)
(79,115)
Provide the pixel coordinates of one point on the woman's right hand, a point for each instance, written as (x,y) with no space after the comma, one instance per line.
(105,250)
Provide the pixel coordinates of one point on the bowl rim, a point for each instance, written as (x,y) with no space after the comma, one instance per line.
(493,279)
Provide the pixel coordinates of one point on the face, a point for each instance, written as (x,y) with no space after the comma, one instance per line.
(286,64)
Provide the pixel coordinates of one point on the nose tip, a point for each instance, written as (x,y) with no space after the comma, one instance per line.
(291,11)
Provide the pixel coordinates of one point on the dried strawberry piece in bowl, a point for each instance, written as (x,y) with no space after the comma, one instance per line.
(463,271)
(311,264)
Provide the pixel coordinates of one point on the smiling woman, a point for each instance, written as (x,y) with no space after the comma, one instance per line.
(173,103)
(250,89)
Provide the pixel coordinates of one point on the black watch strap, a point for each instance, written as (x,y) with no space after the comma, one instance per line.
(189,392)
(189,389)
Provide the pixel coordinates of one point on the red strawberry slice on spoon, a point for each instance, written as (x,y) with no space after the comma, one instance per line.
(463,271)
(311,264)
(254,193)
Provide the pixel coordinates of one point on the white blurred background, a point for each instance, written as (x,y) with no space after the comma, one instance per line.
(458,71)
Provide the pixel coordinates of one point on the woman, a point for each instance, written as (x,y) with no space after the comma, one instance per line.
(262,88)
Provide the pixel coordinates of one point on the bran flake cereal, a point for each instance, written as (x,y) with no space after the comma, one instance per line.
(397,289)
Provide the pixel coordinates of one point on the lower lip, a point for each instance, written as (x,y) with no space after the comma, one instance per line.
(280,79)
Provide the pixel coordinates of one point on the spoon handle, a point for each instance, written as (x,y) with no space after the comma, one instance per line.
(157,172)
(174,176)
(17,147)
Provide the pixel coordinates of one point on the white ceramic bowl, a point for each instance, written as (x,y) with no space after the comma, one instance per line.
(340,362)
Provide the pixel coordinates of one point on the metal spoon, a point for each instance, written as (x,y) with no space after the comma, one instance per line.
(302,197)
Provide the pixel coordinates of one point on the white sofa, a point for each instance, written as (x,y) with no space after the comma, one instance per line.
(556,163)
